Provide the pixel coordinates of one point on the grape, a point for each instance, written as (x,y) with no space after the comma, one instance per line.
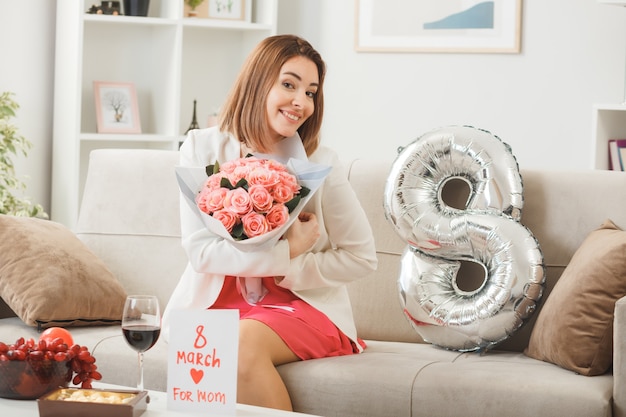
(78,358)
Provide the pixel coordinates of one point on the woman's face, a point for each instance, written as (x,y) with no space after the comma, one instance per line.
(291,100)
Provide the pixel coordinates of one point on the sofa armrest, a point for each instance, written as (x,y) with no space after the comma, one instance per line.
(619,359)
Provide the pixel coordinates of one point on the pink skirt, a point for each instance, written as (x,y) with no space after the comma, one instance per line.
(308,332)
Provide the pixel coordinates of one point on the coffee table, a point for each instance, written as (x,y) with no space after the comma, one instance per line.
(156,408)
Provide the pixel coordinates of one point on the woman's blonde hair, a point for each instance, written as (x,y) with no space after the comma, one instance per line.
(244,114)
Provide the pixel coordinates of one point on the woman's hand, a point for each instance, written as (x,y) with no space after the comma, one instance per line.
(302,234)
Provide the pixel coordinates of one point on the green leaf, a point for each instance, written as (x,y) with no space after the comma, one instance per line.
(243,183)
(237,232)
(212,169)
(293,203)
(304,191)
(7,111)
(225,183)
(13,144)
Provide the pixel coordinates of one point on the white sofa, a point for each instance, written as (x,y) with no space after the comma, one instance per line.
(129,218)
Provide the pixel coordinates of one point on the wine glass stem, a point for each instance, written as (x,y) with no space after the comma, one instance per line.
(140,382)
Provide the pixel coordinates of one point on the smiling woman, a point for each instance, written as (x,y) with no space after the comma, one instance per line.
(291,100)
(242,115)
(291,292)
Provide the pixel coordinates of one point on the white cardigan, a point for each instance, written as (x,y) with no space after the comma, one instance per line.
(344,252)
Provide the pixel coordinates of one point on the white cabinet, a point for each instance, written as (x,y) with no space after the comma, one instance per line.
(170,59)
(608,122)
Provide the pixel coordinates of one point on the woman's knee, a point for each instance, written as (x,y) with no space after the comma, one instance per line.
(259,343)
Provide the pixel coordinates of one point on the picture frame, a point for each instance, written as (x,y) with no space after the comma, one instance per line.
(116,107)
(230,9)
(476,26)
(201,11)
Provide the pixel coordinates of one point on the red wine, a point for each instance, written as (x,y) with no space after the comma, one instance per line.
(141,338)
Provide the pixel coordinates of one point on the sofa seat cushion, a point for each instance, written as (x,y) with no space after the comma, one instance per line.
(412,379)
(48,277)
(379,381)
(388,379)
(510,384)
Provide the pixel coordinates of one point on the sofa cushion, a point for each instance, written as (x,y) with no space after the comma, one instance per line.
(574,328)
(48,277)
(414,379)
(139,242)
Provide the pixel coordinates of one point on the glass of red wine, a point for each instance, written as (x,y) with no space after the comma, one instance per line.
(141,326)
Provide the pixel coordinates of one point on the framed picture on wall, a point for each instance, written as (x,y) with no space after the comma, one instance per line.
(474,26)
(116,107)
(230,9)
(200,11)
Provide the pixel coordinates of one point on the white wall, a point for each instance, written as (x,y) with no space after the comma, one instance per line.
(27,69)
(538,101)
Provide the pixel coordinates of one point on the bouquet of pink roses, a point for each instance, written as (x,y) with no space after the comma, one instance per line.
(250,196)
(268,191)
(252,201)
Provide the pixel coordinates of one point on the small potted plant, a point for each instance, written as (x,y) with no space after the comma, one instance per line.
(192,6)
(13,143)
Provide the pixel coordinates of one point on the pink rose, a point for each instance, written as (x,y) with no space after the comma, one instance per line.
(228,219)
(254,224)
(239,173)
(257,210)
(290,181)
(261,198)
(214,181)
(228,167)
(211,200)
(275,166)
(277,216)
(201,199)
(238,201)
(246,164)
(264,177)
(282,193)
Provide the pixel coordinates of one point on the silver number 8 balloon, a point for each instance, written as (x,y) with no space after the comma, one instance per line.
(447,239)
